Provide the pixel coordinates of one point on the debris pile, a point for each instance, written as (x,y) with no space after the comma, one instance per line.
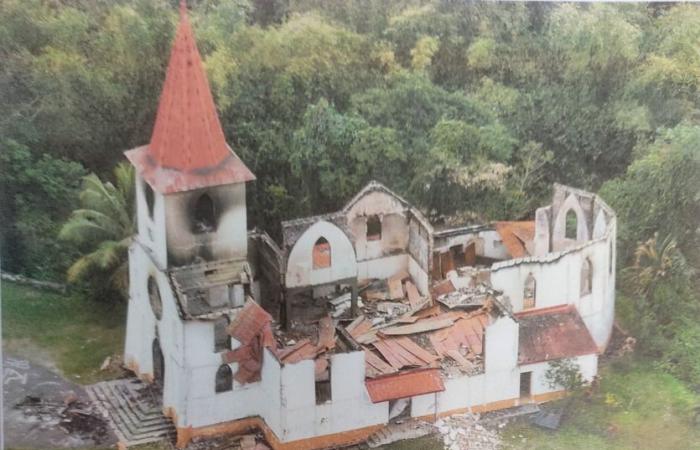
(72,416)
(463,432)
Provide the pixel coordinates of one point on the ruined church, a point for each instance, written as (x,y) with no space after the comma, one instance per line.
(352,319)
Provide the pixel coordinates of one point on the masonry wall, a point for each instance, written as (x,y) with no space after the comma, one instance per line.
(300,270)
(227,241)
(151,227)
(206,407)
(558,282)
(142,327)
(349,409)
(588,366)
(499,381)
(284,398)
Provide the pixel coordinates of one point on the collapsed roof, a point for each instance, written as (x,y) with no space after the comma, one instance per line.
(206,290)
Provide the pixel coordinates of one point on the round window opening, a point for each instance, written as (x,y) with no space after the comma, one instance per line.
(154,298)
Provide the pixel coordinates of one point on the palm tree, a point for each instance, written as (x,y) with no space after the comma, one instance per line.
(102,228)
(655,261)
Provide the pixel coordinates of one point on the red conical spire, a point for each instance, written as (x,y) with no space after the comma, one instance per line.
(188,149)
(187,134)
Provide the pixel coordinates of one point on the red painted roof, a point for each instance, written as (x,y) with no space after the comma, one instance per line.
(250,322)
(553,333)
(515,236)
(188,149)
(404,384)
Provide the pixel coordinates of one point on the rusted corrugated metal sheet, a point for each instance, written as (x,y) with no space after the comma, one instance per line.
(516,236)
(252,328)
(404,384)
(553,333)
(250,322)
(188,149)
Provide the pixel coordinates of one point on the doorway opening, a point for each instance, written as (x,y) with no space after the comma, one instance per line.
(525,385)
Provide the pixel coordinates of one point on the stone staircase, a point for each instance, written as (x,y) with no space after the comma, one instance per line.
(133,410)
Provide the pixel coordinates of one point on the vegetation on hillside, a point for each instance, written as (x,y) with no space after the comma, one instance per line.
(465,108)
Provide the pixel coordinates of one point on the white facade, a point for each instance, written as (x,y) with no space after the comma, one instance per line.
(284,398)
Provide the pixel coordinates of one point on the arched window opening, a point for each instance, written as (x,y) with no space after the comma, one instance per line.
(154,297)
(529,292)
(571,231)
(222,340)
(150,198)
(224,379)
(322,254)
(586,277)
(204,220)
(374,228)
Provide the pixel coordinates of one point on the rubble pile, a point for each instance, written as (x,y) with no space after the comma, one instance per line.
(463,432)
(228,442)
(72,416)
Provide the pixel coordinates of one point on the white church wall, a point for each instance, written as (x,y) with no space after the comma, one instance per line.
(558,282)
(229,239)
(151,228)
(498,382)
(587,364)
(262,398)
(382,267)
(300,271)
(349,408)
(420,277)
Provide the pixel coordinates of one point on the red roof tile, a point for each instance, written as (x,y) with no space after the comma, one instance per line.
(251,321)
(515,235)
(404,384)
(188,149)
(553,333)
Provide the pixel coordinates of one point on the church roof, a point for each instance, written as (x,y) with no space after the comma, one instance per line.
(188,149)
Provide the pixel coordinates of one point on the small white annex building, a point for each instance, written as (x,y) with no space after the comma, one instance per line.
(354,318)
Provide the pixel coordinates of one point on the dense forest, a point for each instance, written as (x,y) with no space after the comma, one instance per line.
(471,110)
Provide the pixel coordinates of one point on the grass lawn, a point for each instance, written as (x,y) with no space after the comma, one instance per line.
(636,407)
(68,332)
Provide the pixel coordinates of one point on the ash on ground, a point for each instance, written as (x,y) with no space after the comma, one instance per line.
(74,417)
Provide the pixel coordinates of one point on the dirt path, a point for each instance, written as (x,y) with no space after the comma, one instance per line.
(42,410)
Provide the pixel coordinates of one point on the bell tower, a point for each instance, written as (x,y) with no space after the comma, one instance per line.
(190,185)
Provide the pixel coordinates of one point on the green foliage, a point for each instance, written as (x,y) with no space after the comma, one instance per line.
(636,406)
(660,192)
(36,193)
(564,374)
(335,155)
(102,229)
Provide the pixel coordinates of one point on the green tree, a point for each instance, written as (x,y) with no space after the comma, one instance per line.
(37,192)
(102,228)
(660,193)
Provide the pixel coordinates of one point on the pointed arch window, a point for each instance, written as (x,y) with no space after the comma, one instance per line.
(204,215)
(374,228)
(154,297)
(150,198)
(571,231)
(222,340)
(586,277)
(529,292)
(322,254)
(224,379)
